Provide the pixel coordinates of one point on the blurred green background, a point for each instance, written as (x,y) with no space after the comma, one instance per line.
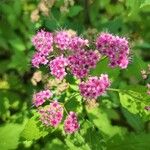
(19,21)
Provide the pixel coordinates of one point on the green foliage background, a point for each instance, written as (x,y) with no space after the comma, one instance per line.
(120,122)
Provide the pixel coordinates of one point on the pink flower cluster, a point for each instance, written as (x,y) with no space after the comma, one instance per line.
(116,48)
(52,115)
(71,123)
(62,40)
(94,87)
(43,43)
(38,59)
(57,67)
(82,61)
(77,43)
(69,50)
(40,97)
(66,41)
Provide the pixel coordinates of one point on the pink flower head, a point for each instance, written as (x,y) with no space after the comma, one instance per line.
(51,115)
(43,42)
(38,59)
(40,97)
(115,47)
(77,43)
(94,87)
(71,124)
(62,40)
(82,61)
(57,67)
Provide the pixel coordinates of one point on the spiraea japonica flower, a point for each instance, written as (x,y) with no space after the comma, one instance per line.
(57,66)
(115,48)
(43,42)
(94,87)
(38,60)
(52,115)
(62,40)
(77,43)
(40,97)
(67,40)
(64,51)
(82,61)
(71,124)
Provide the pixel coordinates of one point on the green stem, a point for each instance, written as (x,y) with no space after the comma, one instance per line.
(103,58)
(111,89)
(65,110)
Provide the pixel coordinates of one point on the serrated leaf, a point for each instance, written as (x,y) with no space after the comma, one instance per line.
(9,136)
(55,144)
(135,102)
(102,122)
(33,130)
(76,142)
(134,120)
(92,136)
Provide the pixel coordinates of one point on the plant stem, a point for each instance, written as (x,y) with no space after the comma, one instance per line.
(66,110)
(111,89)
(103,58)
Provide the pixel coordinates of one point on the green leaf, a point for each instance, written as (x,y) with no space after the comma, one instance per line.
(145,6)
(102,67)
(92,136)
(71,145)
(19,61)
(74,10)
(134,74)
(134,120)
(135,102)
(9,136)
(145,3)
(130,142)
(134,8)
(102,122)
(17,44)
(33,130)
(76,142)
(55,144)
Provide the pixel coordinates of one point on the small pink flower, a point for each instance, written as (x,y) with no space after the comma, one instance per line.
(77,43)
(38,59)
(43,41)
(40,97)
(52,115)
(62,40)
(82,61)
(116,48)
(57,67)
(94,87)
(71,124)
